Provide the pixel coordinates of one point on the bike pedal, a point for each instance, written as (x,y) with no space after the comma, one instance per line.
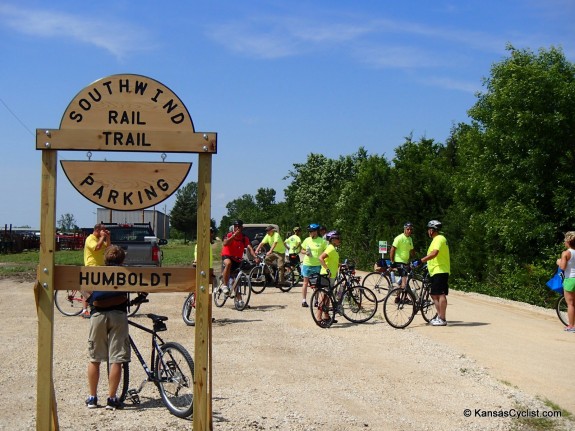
(133,394)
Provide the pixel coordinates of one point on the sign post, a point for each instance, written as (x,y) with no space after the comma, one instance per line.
(126,113)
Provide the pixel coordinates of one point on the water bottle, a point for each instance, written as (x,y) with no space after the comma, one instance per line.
(308,252)
(231,285)
(392,277)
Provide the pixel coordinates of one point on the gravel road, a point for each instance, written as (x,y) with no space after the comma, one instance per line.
(274,369)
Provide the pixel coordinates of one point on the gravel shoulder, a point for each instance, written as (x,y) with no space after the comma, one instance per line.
(273,369)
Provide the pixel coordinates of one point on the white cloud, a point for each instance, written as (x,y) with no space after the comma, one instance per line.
(118,38)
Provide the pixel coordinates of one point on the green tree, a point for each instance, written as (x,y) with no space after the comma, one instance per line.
(184,214)
(67,223)
(514,183)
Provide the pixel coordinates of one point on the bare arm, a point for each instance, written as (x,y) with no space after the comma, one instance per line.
(562,261)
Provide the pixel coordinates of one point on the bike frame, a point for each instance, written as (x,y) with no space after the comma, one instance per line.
(155,351)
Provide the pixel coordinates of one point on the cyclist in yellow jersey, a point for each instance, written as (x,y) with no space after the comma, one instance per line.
(439,267)
(276,252)
(402,251)
(313,246)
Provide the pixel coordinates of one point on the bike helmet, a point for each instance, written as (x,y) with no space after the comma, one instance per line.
(407,224)
(434,224)
(333,234)
(238,222)
(312,227)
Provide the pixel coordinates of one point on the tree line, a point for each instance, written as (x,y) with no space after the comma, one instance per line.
(501,184)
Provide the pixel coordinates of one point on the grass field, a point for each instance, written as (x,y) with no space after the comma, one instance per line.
(176,253)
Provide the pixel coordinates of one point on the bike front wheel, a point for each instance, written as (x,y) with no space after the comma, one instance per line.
(132,309)
(561,308)
(359,304)
(399,308)
(428,310)
(322,308)
(219,295)
(379,283)
(174,374)
(189,310)
(243,293)
(68,302)
(258,279)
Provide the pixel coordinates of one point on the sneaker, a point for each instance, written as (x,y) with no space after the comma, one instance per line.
(570,328)
(85,314)
(92,402)
(241,304)
(113,404)
(438,322)
(224,288)
(304,304)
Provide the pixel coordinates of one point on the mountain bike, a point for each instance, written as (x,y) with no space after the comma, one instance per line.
(402,303)
(239,287)
(381,282)
(347,297)
(561,309)
(266,274)
(172,371)
(69,303)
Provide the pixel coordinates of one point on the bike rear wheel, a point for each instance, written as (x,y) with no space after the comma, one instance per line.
(561,308)
(189,310)
(258,279)
(359,304)
(292,276)
(174,374)
(379,283)
(243,292)
(322,308)
(68,302)
(122,391)
(399,308)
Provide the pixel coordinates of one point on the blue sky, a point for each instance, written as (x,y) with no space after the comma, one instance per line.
(276,80)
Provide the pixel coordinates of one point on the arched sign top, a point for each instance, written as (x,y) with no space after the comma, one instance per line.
(127,113)
(127,102)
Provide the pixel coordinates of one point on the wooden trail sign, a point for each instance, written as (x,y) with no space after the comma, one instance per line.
(128,113)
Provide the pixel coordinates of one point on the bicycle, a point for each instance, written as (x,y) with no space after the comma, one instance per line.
(266,274)
(402,303)
(172,371)
(70,303)
(382,281)
(346,297)
(561,309)
(239,285)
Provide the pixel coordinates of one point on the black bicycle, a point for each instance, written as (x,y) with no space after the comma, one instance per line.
(561,308)
(172,371)
(266,274)
(402,303)
(347,297)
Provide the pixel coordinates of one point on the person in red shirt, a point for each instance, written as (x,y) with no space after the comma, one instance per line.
(233,251)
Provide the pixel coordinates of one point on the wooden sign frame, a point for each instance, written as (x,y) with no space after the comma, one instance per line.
(130,113)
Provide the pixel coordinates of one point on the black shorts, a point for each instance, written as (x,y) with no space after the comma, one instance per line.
(402,269)
(235,263)
(439,284)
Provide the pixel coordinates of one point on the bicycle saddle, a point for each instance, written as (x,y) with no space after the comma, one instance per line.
(155,318)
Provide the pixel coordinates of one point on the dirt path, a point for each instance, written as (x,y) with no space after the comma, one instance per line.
(275,370)
(516,343)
